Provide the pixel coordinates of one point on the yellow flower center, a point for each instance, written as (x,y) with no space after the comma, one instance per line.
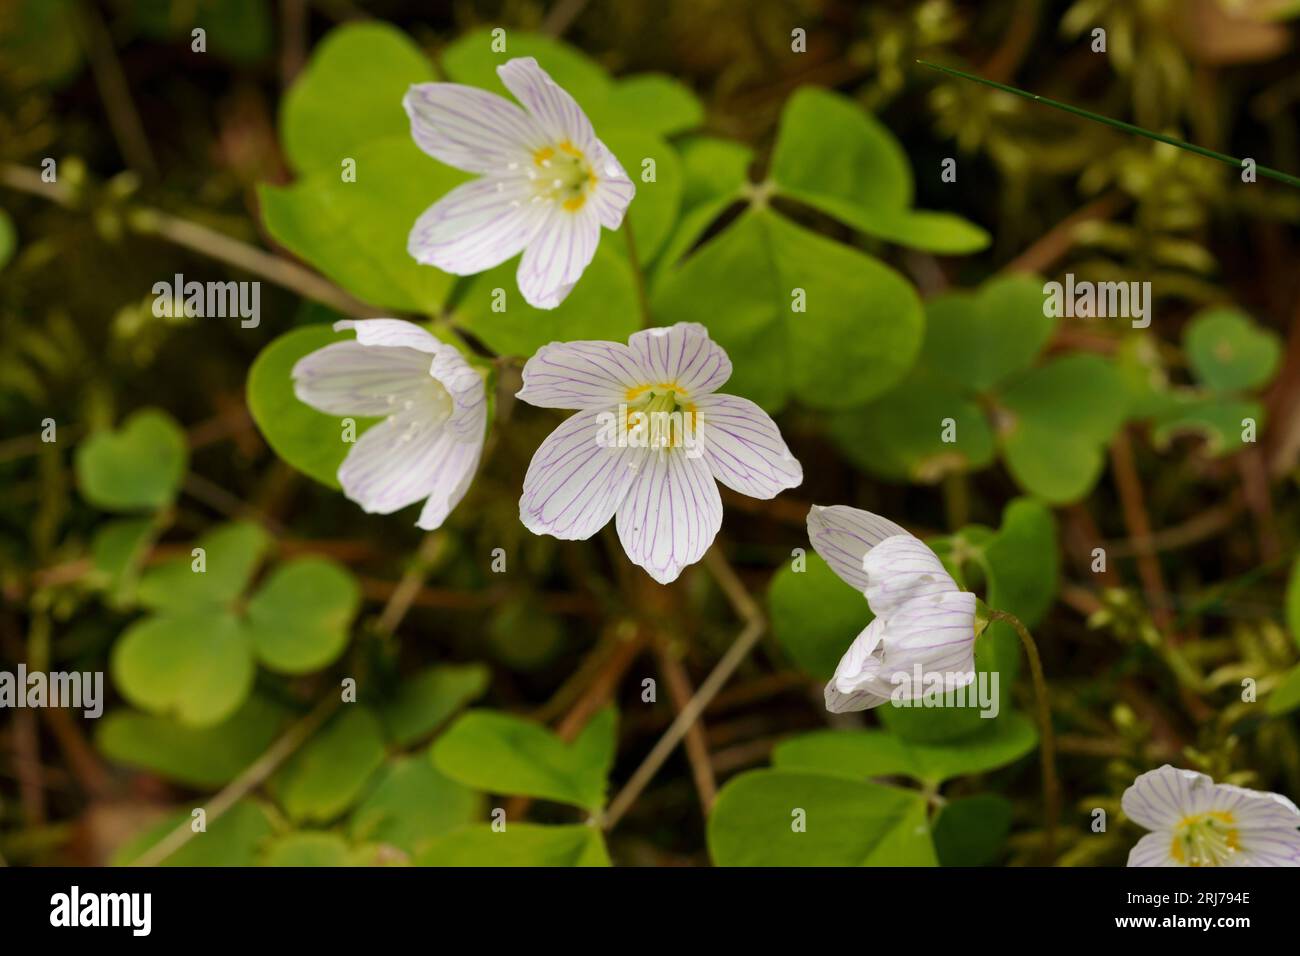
(1205,839)
(663,409)
(562,174)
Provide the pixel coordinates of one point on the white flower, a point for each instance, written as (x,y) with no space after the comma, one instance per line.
(922,618)
(434,409)
(660,487)
(1197,822)
(548,184)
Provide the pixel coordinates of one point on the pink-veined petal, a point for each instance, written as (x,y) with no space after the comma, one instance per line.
(393,463)
(586,374)
(1159,799)
(744,448)
(671,514)
(936,634)
(902,569)
(558,254)
(684,355)
(390,333)
(465,386)
(347,378)
(614,188)
(476,226)
(1154,849)
(858,683)
(455,462)
(471,129)
(843,536)
(548,104)
(577,478)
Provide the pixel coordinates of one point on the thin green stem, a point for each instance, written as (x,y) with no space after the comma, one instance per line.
(1117,124)
(1047,740)
(635,261)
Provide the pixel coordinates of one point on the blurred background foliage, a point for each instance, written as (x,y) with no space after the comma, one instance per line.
(337,688)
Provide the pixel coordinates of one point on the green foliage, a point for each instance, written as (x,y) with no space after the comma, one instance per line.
(236,838)
(309,440)
(1229,352)
(8,238)
(197,756)
(970,831)
(837,158)
(138,467)
(308,848)
(195,655)
(743,284)
(1051,422)
(519,844)
(848,822)
(1230,356)
(602,306)
(863,754)
(426,700)
(503,754)
(330,114)
(325,778)
(117,551)
(411,805)
(815,615)
(356,232)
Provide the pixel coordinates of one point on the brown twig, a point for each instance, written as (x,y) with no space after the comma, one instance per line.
(123,118)
(1139,527)
(1058,240)
(747,608)
(680,692)
(245,783)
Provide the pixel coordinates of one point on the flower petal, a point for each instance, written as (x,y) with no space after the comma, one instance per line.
(683,354)
(935,633)
(1159,799)
(555,259)
(347,378)
(843,536)
(394,463)
(455,462)
(857,683)
(901,570)
(471,129)
(464,384)
(391,333)
(614,188)
(586,374)
(476,226)
(549,104)
(671,514)
(576,481)
(1154,849)
(743,447)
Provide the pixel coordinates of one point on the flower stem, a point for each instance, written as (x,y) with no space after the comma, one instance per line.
(1116,124)
(1047,741)
(635,262)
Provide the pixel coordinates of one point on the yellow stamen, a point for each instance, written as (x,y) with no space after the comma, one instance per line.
(1205,839)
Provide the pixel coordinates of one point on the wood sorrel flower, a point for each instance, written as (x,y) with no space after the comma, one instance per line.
(434,409)
(547,185)
(1197,822)
(648,445)
(924,623)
